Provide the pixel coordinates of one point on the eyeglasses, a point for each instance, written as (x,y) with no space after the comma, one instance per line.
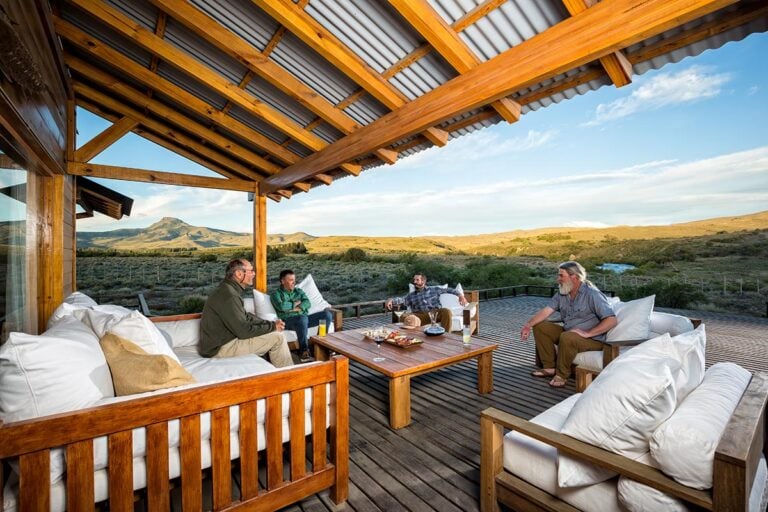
(246,270)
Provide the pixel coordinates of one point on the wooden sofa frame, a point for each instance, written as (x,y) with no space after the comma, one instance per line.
(32,440)
(611,350)
(736,459)
(473,298)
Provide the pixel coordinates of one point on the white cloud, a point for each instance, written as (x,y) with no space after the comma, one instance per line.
(477,146)
(753,90)
(657,192)
(686,86)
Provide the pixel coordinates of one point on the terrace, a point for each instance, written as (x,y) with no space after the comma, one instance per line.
(434,464)
(276,98)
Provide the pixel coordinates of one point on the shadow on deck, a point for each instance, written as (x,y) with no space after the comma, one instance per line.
(434,464)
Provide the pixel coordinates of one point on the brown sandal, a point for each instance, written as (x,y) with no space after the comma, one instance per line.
(557,382)
(543,373)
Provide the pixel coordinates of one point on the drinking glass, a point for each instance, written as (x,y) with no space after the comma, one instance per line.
(321,328)
(378,337)
(466,336)
(398,312)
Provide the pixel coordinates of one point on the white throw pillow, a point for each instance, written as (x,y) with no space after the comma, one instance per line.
(622,408)
(262,306)
(140,330)
(63,310)
(690,347)
(181,333)
(317,302)
(80,299)
(634,320)
(684,445)
(667,322)
(61,370)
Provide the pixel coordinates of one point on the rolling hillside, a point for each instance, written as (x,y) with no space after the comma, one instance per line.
(174,233)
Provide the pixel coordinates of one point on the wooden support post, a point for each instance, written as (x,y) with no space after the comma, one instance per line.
(50,249)
(260,239)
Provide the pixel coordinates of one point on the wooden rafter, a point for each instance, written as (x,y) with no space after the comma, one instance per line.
(121,108)
(192,67)
(192,150)
(160,24)
(326,44)
(105,139)
(617,66)
(209,29)
(609,25)
(447,42)
(166,178)
(146,78)
(479,12)
(324,178)
(174,116)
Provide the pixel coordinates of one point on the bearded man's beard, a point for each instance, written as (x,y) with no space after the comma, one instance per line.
(565,288)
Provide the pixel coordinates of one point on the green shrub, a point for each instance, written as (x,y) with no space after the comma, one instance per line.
(207,258)
(354,255)
(669,295)
(191,304)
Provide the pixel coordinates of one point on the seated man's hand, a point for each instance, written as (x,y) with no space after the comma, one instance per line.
(462,300)
(525,332)
(279,325)
(388,304)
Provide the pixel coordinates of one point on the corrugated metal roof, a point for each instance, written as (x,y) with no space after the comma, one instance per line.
(377,34)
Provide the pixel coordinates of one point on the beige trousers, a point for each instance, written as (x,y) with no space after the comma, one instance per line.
(273,343)
(548,334)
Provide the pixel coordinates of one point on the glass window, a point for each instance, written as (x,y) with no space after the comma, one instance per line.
(13,237)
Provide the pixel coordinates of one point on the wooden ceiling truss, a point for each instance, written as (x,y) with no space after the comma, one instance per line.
(136,97)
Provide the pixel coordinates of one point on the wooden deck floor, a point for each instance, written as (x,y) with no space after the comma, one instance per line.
(433,464)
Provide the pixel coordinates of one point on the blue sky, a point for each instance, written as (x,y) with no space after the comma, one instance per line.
(683,143)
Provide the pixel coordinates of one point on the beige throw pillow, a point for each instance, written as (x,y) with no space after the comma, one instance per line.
(136,371)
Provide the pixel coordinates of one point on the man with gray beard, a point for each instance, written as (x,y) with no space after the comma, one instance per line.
(586,314)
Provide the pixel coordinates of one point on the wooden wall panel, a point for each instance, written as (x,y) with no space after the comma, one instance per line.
(33,106)
(50,247)
(68,241)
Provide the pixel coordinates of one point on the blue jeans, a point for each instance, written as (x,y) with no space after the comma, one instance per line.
(300,324)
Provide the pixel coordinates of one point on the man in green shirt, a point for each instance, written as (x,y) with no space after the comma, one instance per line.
(292,306)
(228,330)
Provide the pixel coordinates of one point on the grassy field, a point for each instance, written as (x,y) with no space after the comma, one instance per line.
(717,264)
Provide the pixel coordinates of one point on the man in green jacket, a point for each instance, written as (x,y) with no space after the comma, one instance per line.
(292,306)
(227,330)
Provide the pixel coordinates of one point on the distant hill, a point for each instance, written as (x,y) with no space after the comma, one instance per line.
(170,232)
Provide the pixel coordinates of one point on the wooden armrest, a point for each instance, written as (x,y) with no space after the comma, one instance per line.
(338,319)
(584,451)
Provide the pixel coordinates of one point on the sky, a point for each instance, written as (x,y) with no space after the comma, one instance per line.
(686,142)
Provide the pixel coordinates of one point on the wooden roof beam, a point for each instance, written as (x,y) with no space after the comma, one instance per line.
(326,44)
(428,23)
(609,25)
(105,139)
(160,110)
(209,29)
(137,72)
(275,197)
(123,109)
(617,66)
(303,186)
(165,178)
(476,14)
(325,179)
(177,143)
(192,67)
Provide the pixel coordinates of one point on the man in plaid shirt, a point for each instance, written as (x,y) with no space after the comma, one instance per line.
(425,298)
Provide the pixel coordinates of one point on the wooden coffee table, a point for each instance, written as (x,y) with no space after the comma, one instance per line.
(403,363)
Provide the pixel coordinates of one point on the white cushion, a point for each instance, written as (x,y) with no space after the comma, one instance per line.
(593,359)
(536,463)
(62,369)
(622,408)
(634,320)
(316,300)
(181,333)
(112,309)
(637,497)
(690,347)
(63,310)
(134,327)
(667,322)
(684,445)
(262,306)
(80,299)
(412,288)
(248,303)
